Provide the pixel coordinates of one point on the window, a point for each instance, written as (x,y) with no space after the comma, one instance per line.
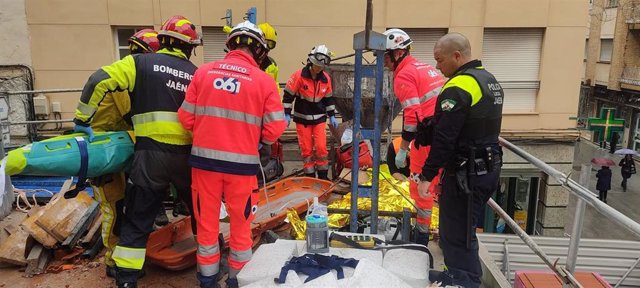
(513,56)
(612,3)
(122,39)
(606,49)
(424,39)
(213,41)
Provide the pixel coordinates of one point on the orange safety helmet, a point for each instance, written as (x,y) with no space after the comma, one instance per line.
(147,39)
(181,28)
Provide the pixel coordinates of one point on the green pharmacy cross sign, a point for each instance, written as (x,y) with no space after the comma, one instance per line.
(606,124)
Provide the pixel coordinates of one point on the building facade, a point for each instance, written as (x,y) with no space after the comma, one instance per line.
(612,65)
(534,48)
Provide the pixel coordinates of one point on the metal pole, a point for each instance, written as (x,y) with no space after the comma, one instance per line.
(406,224)
(37,122)
(578,221)
(355,142)
(576,189)
(41,91)
(529,241)
(507,269)
(395,214)
(627,273)
(377,135)
(368,23)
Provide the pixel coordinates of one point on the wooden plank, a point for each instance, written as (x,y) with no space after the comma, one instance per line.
(95,227)
(43,263)
(37,256)
(10,228)
(62,217)
(82,225)
(13,249)
(39,234)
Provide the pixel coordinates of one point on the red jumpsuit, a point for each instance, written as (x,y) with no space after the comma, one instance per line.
(417,86)
(313,102)
(231,107)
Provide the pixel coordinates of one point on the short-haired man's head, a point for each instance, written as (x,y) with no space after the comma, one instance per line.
(453,42)
(451,52)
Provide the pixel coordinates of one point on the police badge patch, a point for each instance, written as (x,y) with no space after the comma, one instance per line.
(447,104)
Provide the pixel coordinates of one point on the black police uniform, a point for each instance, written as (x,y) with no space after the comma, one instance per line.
(465,142)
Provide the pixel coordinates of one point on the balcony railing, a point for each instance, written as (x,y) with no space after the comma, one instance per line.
(631,75)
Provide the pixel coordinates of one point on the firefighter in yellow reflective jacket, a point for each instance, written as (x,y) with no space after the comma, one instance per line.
(156,83)
(113,115)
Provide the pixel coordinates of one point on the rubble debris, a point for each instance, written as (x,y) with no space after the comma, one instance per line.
(13,250)
(60,220)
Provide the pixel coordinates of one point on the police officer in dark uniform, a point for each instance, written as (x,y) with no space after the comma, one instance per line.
(465,143)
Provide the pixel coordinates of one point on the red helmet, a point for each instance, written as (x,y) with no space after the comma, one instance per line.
(182,29)
(147,39)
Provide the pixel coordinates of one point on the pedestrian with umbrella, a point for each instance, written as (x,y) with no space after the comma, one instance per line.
(604,176)
(604,182)
(628,169)
(627,164)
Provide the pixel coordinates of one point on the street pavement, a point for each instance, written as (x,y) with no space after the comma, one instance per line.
(628,203)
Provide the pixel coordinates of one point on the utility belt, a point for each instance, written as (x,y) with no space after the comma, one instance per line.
(478,162)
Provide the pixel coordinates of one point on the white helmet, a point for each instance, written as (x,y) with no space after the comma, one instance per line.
(320,56)
(245,33)
(397,39)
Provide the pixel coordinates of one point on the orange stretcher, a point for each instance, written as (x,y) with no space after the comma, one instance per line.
(174,247)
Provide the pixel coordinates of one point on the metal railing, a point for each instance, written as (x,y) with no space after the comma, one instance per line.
(584,196)
(31,92)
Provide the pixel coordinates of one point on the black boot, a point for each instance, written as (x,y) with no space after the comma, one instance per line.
(208,281)
(440,276)
(232,283)
(111,272)
(420,237)
(323,174)
(128,278)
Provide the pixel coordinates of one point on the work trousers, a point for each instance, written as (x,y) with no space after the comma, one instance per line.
(463,263)
(108,190)
(310,137)
(417,159)
(151,174)
(241,202)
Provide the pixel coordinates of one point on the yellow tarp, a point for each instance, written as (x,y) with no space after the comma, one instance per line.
(389,199)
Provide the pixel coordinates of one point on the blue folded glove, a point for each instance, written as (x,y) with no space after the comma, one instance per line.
(287,118)
(84,129)
(401,158)
(333,121)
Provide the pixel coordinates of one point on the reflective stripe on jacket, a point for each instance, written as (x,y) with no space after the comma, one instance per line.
(156,84)
(414,83)
(313,98)
(231,106)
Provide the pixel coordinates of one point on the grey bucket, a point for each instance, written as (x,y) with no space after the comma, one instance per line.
(342,81)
